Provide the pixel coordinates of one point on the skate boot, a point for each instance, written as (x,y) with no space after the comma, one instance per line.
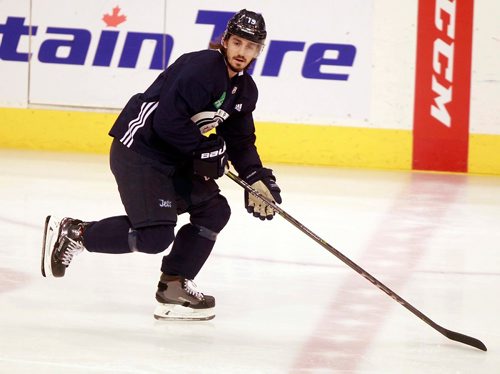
(179,300)
(61,241)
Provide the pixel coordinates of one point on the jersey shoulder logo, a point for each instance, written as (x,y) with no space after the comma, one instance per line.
(218,103)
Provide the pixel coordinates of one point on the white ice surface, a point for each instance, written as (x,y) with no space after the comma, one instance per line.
(284,304)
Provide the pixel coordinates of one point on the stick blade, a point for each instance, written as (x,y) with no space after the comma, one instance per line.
(469,340)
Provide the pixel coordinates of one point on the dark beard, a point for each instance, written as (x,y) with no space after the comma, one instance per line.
(224,53)
(233,68)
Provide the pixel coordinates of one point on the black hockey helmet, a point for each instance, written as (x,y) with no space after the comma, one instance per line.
(248,25)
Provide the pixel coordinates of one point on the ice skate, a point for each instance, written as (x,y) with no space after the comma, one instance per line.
(61,241)
(179,300)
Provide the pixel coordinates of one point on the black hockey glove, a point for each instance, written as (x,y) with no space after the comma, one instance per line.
(263,181)
(210,159)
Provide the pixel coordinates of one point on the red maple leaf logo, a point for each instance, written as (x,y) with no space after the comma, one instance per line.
(114,19)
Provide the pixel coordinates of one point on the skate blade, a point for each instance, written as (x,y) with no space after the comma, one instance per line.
(50,234)
(173,312)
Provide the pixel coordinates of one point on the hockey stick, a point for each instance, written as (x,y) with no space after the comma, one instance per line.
(448,333)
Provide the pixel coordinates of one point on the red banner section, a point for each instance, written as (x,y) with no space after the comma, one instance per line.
(442,87)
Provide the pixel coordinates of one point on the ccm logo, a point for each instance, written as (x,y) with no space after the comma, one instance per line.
(442,59)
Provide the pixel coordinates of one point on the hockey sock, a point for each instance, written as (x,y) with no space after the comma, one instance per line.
(189,252)
(109,235)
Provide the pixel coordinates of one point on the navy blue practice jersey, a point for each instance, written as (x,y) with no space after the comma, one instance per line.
(167,120)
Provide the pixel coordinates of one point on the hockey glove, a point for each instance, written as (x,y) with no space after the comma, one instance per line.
(210,159)
(263,181)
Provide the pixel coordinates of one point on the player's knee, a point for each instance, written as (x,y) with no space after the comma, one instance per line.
(223,213)
(214,215)
(153,239)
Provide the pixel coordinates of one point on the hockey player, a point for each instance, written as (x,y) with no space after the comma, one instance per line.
(165,166)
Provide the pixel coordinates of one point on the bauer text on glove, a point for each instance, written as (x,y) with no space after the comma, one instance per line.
(210,159)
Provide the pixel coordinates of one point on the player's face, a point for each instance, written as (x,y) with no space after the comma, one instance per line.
(240,52)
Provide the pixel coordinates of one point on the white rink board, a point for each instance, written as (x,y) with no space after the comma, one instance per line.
(14,74)
(87,85)
(379,92)
(485,88)
(336,33)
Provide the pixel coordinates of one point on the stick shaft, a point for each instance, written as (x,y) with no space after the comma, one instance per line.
(448,333)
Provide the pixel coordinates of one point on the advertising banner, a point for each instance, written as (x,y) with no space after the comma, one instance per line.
(315,67)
